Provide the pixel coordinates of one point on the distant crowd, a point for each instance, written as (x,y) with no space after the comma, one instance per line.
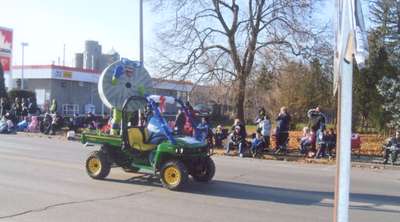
(24,115)
(317,141)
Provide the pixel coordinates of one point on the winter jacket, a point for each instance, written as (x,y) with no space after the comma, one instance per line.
(317,120)
(243,132)
(282,123)
(265,126)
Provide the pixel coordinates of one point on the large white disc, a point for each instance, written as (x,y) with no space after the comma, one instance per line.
(121,80)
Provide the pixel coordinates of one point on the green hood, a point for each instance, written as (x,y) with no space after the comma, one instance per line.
(189,142)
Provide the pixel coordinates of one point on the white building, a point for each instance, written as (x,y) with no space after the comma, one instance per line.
(75,89)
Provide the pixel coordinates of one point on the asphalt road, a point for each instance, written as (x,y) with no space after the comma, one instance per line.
(44,179)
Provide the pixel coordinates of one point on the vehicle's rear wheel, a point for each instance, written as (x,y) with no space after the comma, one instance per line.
(205,172)
(174,175)
(97,165)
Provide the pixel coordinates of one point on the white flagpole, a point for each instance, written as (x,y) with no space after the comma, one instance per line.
(343,161)
(346,44)
(350,19)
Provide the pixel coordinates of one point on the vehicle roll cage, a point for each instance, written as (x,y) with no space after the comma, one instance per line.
(151,103)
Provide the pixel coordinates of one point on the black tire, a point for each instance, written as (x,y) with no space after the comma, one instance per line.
(174,175)
(97,165)
(207,171)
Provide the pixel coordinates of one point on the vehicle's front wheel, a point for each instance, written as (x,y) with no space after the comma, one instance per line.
(205,172)
(97,165)
(174,175)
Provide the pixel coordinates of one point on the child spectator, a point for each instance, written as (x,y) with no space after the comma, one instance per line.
(34,124)
(305,141)
(257,143)
(331,141)
(219,136)
(321,143)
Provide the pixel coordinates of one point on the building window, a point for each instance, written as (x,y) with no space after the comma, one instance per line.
(70,109)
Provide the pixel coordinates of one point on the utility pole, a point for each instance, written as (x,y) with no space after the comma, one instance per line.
(63,55)
(141,32)
(23,44)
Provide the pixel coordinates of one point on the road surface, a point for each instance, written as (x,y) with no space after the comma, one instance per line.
(43,179)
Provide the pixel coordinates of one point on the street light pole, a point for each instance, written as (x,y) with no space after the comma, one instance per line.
(141,32)
(23,44)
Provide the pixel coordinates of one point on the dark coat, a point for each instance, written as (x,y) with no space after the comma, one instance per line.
(282,123)
(317,120)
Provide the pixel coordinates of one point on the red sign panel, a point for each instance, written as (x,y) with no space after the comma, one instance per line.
(6,38)
(5,62)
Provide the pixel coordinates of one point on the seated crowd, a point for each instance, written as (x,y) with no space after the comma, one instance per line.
(316,141)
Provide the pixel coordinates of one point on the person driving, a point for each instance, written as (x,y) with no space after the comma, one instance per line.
(156,134)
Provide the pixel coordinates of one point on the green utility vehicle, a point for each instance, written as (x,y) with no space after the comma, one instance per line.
(173,159)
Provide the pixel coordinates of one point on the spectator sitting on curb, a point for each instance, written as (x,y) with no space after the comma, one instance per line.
(391,142)
(219,136)
(305,141)
(330,142)
(257,143)
(236,139)
(243,132)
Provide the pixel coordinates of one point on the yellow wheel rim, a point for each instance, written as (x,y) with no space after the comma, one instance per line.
(94,165)
(172,176)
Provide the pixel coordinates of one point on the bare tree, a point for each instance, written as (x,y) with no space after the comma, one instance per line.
(221,40)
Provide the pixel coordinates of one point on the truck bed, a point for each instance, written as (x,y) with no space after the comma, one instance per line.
(100,138)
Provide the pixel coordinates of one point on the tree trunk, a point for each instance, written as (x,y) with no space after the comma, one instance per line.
(239,96)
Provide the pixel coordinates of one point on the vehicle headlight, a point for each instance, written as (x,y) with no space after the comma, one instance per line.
(181,150)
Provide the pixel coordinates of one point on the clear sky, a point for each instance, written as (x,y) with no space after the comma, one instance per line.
(49,24)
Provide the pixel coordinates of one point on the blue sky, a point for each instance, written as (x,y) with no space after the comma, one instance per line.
(47,24)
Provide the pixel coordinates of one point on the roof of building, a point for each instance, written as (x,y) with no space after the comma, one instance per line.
(45,71)
(66,68)
(173,81)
